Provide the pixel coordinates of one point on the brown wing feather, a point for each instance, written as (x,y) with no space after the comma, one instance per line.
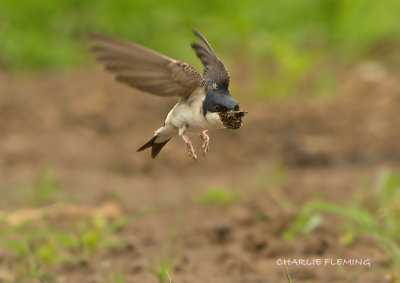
(214,69)
(145,69)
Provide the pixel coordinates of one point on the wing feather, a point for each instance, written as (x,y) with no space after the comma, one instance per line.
(145,69)
(214,69)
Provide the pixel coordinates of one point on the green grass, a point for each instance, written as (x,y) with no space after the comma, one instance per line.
(50,33)
(288,45)
(287,274)
(162,265)
(216,197)
(162,271)
(381,219)
(38,245)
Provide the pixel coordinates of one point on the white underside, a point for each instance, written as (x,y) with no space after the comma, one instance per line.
(187,116)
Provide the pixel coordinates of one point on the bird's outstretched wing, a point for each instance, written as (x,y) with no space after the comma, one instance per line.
(214,69)
(145,69)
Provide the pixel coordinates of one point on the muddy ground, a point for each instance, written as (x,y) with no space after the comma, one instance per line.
(85,129)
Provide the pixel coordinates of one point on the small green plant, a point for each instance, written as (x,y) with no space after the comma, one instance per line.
(162,271)
(92,234)
(163,263)
(216,196)
(116,277)
(287,274)
(29,266)
(382,220)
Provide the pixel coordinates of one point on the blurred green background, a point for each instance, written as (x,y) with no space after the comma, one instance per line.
(286,43)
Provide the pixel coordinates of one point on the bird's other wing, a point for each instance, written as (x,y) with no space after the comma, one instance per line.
(214,69)
(145,69)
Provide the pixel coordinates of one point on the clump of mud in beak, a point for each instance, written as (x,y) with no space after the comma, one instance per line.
(232,119)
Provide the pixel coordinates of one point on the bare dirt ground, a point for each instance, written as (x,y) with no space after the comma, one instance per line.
(86,128)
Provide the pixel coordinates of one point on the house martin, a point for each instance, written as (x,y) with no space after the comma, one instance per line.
(204,100)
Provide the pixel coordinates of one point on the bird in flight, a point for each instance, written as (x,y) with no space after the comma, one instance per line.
(204,100)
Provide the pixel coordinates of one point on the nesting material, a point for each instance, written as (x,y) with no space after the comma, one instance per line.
(232,119)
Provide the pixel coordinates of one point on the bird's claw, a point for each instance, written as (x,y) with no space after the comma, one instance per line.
(189,145)
(191,152)
(205,147)
(206,142)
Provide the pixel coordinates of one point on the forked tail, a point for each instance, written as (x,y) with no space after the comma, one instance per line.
(155,147)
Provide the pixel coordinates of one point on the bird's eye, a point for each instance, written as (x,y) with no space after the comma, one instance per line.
(217,108)
(236,108)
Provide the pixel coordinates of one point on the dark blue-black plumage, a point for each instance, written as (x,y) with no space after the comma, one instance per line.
(219,100)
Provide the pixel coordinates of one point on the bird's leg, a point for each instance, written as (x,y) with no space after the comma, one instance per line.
(189,145)
(206,141)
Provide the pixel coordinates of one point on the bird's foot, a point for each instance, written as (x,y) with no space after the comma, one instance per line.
(191,152)
(206,142)
(189,145)
(182,133)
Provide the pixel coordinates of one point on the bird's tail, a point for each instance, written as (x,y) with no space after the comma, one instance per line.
(155,147)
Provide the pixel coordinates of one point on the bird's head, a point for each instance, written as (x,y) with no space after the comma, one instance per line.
(219,105)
